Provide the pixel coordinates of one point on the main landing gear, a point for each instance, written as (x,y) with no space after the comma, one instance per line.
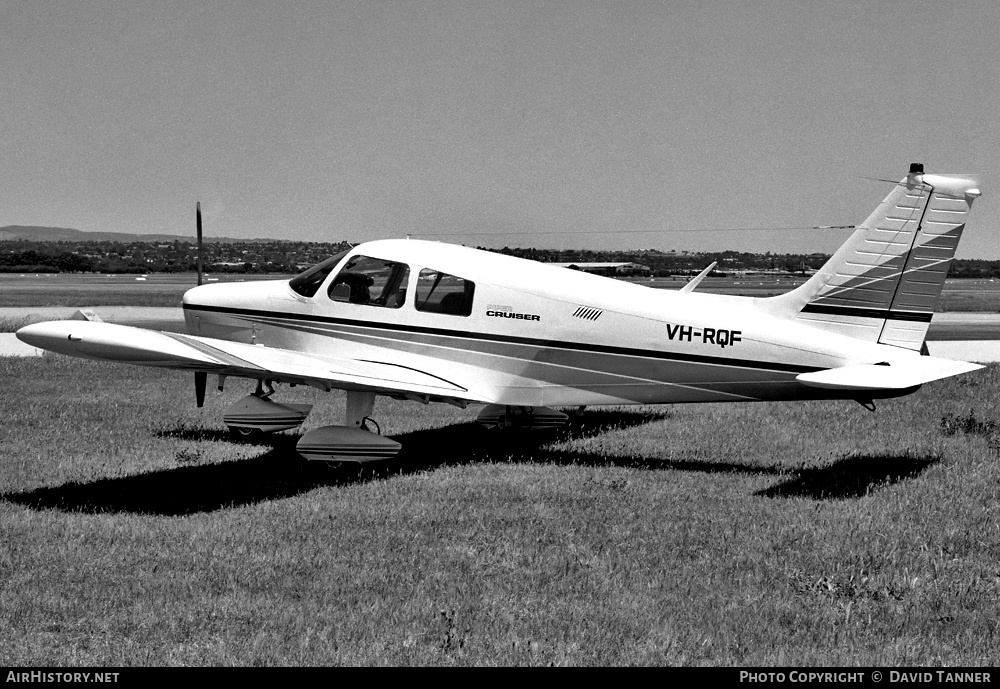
(359,439)
(352,442)
(523,418)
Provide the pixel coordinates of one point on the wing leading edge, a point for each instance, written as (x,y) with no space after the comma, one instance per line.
(110,342)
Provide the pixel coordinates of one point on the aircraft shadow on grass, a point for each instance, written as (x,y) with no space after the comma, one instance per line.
(281,472)
(850,477)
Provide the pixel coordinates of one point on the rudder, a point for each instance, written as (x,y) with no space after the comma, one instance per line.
(883,284)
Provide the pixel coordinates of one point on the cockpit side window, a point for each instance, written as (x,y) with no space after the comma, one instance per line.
(372,282)
(439,292)
(308,282)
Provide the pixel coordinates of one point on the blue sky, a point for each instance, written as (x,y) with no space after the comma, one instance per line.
(548,124)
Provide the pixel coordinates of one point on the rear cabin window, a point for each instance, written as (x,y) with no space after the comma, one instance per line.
(439,292)
(371,282)
(308,282)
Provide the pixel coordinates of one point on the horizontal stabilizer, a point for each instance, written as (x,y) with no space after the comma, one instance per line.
(898,376)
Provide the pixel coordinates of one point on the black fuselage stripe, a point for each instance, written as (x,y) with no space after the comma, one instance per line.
(508,339)
(868,312)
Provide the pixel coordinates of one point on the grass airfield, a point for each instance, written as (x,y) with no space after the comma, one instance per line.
(134,530)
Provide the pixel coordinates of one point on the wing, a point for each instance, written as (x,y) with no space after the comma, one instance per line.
(110,342)
(897,376)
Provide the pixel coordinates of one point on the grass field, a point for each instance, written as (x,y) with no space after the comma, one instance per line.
(134,531)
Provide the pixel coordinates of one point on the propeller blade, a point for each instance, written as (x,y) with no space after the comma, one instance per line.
(197,214)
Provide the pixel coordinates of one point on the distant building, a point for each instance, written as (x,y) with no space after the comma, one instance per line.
(607,268)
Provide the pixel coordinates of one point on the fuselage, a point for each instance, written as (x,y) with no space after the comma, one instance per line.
(520,332)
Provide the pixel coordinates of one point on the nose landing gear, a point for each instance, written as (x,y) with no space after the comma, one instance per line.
(257,413)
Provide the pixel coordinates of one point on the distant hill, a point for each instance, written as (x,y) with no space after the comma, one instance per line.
(36,233)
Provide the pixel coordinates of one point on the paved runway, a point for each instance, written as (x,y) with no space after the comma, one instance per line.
(977,351)
(964,326)
(110,314)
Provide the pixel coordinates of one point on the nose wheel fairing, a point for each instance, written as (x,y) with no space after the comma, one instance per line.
(253,413)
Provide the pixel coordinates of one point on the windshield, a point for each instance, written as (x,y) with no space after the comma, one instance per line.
(308,282)
(371,281)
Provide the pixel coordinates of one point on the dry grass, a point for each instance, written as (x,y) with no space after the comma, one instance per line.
(134,531)
(11,324)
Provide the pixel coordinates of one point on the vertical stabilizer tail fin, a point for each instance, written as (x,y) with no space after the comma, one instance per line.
(884,283)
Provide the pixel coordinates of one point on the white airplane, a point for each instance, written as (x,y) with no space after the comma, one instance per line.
(435,322)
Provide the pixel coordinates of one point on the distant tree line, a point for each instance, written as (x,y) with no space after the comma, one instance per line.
(287,257)
(40,262)
(974,268)
(22,256)
(665,264)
